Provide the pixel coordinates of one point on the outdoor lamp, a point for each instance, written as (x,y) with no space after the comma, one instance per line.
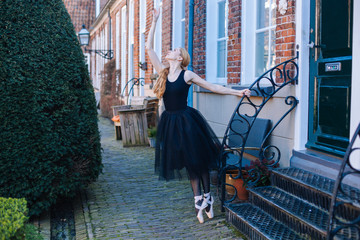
(84,38)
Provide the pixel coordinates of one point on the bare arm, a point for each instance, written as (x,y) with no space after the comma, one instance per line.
(194,78)
(154,59)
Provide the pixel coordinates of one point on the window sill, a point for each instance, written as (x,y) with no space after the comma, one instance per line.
(199,89)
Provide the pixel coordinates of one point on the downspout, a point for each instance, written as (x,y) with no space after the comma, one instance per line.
(109,32)
(190,47)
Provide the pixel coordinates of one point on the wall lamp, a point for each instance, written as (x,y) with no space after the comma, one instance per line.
(84,38)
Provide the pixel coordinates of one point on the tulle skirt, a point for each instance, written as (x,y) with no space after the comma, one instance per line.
(185,140)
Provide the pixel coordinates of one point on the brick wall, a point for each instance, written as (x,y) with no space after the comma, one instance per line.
(285,33)
(166,26)
(199,41)
(149,18)
(284,45)
(234,42)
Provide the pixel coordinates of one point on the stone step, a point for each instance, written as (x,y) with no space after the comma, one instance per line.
(257,224)
(294,212)
(316,189)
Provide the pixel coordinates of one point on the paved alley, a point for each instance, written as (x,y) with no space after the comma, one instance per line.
(129,202)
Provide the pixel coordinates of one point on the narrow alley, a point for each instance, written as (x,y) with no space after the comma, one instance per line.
(129,202)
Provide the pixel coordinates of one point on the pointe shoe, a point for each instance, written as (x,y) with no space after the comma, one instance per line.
(209,209)
(200,205)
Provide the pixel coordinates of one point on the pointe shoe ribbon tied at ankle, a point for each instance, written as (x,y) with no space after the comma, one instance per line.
(200,205)
(209,208)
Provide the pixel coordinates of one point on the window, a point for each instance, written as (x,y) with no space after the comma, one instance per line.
(106,40)
(216,41)
(265,36)
(158,31)
(97,8)
(131,41)
(123,48)
(178,37)
(117,45)
(258,48)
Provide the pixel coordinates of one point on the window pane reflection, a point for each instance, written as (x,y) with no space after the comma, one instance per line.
(221,58)
(221,22)
(262,13)
(261,53)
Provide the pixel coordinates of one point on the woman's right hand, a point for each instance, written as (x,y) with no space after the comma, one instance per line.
(156,14)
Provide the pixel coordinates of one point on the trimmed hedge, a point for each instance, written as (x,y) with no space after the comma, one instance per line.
(49,138)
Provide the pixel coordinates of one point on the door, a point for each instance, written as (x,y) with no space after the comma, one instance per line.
(330,75)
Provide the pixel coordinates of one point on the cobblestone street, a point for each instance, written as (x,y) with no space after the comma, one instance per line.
(129,202)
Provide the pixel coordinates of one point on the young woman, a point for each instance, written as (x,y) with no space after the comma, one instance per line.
(184,138)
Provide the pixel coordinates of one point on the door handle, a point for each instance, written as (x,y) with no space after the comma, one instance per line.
(312,45)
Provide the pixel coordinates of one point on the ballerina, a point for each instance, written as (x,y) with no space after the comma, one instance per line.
(184,138)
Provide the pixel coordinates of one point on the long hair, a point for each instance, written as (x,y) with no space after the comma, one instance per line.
(160,85)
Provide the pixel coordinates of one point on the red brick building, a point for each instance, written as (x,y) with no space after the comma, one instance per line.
(234,42)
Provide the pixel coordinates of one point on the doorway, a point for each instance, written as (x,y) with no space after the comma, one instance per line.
(330,75)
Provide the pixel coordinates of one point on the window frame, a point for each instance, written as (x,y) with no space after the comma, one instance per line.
(178,36)
(248,43)
(158,32)
(123,47)
(212,41)
(117,45)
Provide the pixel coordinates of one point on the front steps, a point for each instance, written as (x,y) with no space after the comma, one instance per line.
(294,207)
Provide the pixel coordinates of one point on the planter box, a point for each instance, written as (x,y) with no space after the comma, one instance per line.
(134,126)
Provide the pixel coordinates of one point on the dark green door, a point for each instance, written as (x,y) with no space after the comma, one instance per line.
(330,75)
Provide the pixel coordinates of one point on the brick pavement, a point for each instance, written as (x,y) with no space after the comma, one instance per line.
(129,202)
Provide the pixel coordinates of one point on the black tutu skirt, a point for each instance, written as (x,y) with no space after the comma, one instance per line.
(185,140)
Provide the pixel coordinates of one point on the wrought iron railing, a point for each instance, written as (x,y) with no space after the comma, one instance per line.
(133,82)
(246,112)
(337,224)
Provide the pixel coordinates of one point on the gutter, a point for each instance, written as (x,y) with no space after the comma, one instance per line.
(106,9)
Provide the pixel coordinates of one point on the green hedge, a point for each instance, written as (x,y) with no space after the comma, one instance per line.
(12,216)
(13,220)
(49,138)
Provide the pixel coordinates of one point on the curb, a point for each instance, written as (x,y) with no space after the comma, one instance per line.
(83,226)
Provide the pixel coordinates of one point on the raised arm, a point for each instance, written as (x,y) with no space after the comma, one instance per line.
(150,43)
(194,78)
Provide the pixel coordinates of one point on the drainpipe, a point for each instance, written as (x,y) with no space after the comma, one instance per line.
(109,31)
(190,47)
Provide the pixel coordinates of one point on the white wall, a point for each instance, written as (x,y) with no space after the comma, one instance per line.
(217,110)
(355,82)
(302,89)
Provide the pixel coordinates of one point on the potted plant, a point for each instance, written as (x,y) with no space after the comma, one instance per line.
(152,136)
(236,182)
(255,175)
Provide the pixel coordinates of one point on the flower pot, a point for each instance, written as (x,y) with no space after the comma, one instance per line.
(214,177)
(242,192)
(152,141)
